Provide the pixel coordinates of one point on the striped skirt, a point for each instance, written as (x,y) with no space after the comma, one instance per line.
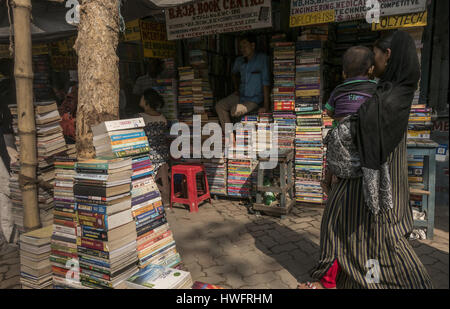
(373,251)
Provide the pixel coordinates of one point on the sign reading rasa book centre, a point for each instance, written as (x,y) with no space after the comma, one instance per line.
(209,17)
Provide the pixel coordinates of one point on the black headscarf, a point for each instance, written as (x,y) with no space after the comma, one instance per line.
(381,122)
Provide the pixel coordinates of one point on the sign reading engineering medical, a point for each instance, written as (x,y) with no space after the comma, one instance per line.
(154,40)
(346,10)
(208,17)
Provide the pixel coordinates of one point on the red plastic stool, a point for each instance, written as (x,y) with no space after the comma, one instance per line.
(193,199)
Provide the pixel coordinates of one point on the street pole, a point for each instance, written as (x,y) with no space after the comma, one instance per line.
(23,73)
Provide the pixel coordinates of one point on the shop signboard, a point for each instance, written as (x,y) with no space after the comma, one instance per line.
(401,21)
(154,40)
(208,17)
(132,31)
(346,10)
(40,49)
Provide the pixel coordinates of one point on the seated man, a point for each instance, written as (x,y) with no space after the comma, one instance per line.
(251,76)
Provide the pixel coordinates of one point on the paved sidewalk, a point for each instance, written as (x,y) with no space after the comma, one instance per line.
(224,245)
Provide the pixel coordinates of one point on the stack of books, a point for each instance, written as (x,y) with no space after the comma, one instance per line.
(50,142)
(284,76)
(186,94)
(160,277)
(246,138)
(107,240)
(419,124)
(167,88)
(316,33)
(120,138)
(285,127)
(64,256)
(216,172)
(415,179)
(155,243)
(264,133)
(309,151)
(309,159)
(35,267)
(240,178)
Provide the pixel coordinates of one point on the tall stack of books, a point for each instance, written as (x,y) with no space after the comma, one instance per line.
(216,172)
(285,127)
(284,76)
(185,94)
(167,88)
(65,226)
(155,243)
(240,178)
(107,240)
(160,277)
(309,152)
(420,125)
(120,138)
(50,142)
(35,267)
(415,179)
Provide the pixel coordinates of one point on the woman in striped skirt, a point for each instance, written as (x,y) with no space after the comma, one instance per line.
(362,246)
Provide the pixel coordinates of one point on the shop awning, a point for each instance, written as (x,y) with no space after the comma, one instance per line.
(49,17)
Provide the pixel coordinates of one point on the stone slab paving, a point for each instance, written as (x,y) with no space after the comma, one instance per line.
(222,244)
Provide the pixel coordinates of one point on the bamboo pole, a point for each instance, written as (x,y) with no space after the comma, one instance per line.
(98,69)
(23,72)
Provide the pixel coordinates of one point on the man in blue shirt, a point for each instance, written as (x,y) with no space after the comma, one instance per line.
(252,77)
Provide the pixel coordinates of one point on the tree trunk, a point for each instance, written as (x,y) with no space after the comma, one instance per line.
(98,73)
(23,72)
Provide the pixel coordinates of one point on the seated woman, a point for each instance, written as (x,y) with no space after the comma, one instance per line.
(156,130)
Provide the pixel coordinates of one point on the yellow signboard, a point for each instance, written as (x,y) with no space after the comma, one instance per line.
(154,41)
(321,17)
(40,49)
(401,21)
(132,31)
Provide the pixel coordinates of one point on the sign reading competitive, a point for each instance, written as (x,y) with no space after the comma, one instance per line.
(207,17)
(154,40)
(308,12)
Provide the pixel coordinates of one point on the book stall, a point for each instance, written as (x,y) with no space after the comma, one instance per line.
(104,222)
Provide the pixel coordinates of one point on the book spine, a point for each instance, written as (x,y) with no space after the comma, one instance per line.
(127,153)
(119,137)
(133,146)
(93,244)
(92,252)
(95,220)
(129,142)
(99,209)
(93,233)
(151,226)
(90,166)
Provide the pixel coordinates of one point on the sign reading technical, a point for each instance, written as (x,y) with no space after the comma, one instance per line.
(345,10)
(208,17)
